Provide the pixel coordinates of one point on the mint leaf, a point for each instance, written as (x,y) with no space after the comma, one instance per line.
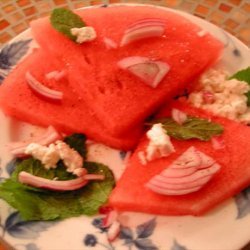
(38,204)
(243,75)
(35,167)
(34,205)
(96,193)
(193,128)
(248,98)
(77,142)
(63,20)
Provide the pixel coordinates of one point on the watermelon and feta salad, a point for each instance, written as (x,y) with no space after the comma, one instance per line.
(147,84)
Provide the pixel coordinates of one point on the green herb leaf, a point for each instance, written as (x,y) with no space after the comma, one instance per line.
(77,142)
(64,20)
(35,167)
(243,75)
(39,204)
(193,128)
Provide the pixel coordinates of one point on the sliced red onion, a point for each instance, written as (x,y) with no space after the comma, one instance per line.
(208,97)
(145,22)
(94,177)
(50,136)
(57,75)
(60,75)
(206,161)
(218,143)
(105,209)
(113,231)
(40,182)
(201,169)
(165,191)
(179,116)
(110,221)
(110,218)
(51,75)
(142,157)
(42,90)
(109,43)
(177,172)
(189,178)
(180,186)
(149,71)
(190,158)
(142,29)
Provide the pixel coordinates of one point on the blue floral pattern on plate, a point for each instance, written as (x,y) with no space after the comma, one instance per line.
(18,228)
(177,246)
(243,203)
(146,234)
(10,55)
(141,241)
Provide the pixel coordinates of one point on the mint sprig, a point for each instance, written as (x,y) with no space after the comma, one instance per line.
(41,204)
(243,75)
(63,20)
(192,128)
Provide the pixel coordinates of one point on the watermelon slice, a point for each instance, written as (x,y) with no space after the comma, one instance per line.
(131,194)
(110,90)
(71,115)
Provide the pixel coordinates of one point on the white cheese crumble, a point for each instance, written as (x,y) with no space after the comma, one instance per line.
(227,97)
(49,156)
(84,34)
(159,144)
(71,158)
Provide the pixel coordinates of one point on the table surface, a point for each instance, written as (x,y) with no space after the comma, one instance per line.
(231,15)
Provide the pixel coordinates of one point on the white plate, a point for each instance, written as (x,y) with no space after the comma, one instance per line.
(226,227)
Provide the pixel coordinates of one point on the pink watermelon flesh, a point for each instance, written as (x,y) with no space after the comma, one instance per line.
(130,194)
(109,90)
(71,115)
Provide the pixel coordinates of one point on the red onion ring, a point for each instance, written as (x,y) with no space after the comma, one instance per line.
(178,179)
(50,136)
(42,90)
(150,72)
(142,29)
(39,182)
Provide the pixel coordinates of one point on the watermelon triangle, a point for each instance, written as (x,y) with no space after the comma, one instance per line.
(131,194)
(71,115)
(110,90)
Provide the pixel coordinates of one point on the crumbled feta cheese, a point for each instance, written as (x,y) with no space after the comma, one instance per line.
(71,158)
(159,143)
(84,34)
(229,98)
(47,155)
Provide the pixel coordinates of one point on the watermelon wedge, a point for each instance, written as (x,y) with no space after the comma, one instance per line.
(70,115)
(108,89)
(131,194)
